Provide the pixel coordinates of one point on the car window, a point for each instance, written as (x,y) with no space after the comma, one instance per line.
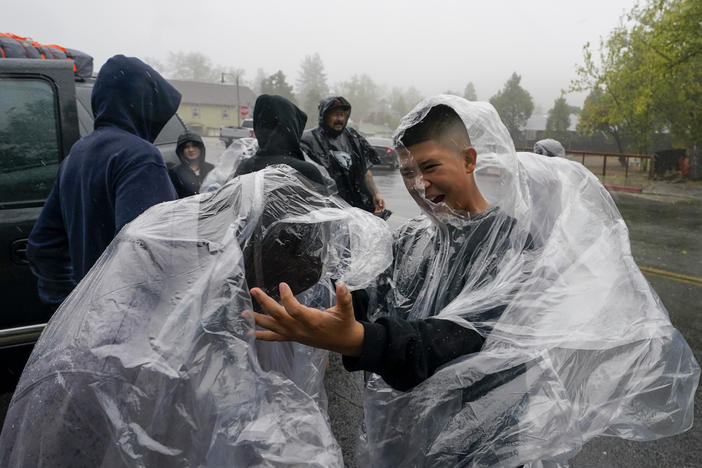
(248,123)
(170,132)
(29,142)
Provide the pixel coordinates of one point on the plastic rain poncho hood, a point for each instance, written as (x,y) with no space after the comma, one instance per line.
(150,362)
(577,344)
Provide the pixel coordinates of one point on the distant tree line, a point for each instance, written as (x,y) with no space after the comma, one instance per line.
(372,103)
(646,88)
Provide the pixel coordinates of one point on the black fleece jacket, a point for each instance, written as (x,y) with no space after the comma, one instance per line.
(407,352)
(345,154)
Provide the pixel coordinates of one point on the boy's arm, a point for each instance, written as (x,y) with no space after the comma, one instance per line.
(407,352)
(403,352)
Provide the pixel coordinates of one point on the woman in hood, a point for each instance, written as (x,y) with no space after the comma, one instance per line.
(188,176)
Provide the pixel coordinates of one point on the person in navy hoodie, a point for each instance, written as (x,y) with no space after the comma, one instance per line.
(109,178)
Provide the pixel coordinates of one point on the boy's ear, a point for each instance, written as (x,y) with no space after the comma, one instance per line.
(469,158)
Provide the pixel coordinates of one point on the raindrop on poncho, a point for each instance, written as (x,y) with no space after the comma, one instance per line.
(578,344)
(150,362)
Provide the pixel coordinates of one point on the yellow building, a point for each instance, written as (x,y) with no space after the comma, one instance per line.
(205,107)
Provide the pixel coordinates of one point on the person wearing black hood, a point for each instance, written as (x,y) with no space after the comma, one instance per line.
(188,176)
(278,125)
(109,178)
(345,154)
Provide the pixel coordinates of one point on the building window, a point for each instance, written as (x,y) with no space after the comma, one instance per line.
(196,111)
(225,113)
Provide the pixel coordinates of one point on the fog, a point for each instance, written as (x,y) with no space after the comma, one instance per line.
(433,46)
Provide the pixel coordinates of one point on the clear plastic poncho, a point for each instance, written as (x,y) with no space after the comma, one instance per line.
(549,147)
(150,362)
(577,344)
(232,156)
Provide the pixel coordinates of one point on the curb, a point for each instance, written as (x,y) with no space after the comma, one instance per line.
(626,188)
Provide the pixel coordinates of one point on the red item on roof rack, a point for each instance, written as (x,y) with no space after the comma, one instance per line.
(14,46)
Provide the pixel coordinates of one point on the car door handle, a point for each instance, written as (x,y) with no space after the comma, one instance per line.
(18,252)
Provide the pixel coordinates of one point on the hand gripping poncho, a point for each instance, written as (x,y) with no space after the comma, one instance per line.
(577,344)
(150,363)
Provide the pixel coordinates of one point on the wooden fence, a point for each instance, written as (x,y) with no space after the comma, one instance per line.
(597,161)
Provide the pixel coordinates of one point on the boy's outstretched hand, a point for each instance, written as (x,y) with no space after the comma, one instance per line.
(334,329)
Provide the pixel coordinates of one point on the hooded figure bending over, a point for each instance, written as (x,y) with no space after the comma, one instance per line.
(153,362)
(528,328)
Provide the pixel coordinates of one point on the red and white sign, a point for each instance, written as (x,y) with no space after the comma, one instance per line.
(244,110)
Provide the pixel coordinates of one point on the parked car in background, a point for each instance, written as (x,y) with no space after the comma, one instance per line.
(386,152)
(227,134)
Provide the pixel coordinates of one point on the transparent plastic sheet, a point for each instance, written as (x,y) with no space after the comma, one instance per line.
(577,344)
(238,151)
(230,159)
(549,147)
(150,362)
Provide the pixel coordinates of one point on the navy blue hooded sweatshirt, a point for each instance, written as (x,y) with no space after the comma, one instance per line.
(109,178)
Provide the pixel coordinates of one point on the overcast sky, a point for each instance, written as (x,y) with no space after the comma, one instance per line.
(433,45)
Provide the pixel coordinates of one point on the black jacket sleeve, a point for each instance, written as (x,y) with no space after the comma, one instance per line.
(405,353)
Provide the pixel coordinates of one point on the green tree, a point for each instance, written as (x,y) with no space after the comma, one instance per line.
(558,120)
(258,80)
(514,105)
(311,86)
(668,36)
(193,66)
(596,118)
(156,64)
(276,84)
(401,102)
(363,94)
(650,73)
(469,93)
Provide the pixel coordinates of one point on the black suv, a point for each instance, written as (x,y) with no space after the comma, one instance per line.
(44,110)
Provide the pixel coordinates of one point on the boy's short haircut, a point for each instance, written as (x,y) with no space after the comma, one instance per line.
(441,124)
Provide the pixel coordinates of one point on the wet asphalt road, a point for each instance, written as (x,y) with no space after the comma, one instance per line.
(666,243)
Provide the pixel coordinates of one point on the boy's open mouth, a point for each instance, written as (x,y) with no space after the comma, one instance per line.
(438,199)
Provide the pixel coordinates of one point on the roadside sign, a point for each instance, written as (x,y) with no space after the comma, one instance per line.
(244,110)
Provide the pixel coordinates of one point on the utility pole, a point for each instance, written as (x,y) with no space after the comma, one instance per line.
(238,102)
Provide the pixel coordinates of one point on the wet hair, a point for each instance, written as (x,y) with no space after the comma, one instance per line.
(441,124)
